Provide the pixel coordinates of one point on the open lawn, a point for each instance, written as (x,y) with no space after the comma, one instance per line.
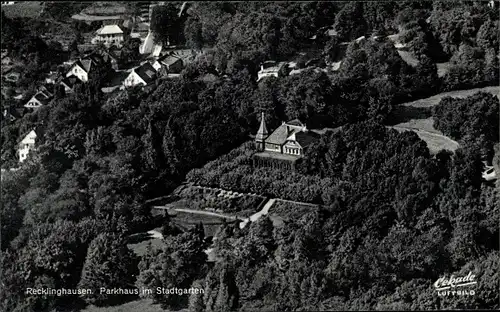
(284,210)
(139,242)
(435,141)
(24,9)
(416,116)
(143,305)
(186,220)
(434,100)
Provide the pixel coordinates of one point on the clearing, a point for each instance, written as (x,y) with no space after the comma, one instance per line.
(416,116)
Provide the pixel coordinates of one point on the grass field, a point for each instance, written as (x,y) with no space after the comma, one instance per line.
(187,220)
(282,211)
(140,247)
(26,9)
(143,305)
(423,124)
(434,100)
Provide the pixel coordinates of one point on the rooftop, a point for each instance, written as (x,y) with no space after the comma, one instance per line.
(109,30)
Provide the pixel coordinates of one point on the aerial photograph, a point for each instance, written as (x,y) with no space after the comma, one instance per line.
(199,156)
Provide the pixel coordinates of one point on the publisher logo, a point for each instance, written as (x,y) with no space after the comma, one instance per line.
(456,285)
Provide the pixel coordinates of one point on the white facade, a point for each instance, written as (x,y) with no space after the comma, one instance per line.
(272,71)
(78,72)
(26,145)
(133,79)
(33,103)
(109,35)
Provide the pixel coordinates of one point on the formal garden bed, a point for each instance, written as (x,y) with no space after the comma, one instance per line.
(200,198)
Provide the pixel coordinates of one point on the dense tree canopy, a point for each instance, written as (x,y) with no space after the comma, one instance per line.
(391,218)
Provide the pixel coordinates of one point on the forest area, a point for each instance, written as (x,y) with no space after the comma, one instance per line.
(393,217)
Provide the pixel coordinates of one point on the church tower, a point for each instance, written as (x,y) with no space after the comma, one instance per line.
(262,134)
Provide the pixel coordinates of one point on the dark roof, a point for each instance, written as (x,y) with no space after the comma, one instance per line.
(70,81)
(306,138)
(169,59)
(91,59)
(13,111)
(41,97)
(295,122)
(279,135)
(147,72)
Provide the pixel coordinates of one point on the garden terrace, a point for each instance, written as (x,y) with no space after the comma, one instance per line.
(284,211)
(217,200)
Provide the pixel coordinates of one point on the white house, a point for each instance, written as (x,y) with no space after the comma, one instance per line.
(26,145)
(142,75)
(270,68)
(38,100)
(170,63)
(109,35)
(82,68)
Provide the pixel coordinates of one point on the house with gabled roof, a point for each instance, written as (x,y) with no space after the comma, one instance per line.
(26,145)
(142,75)
(286,144)
(169,63)
(109,35)
(290,138)
(69,84)
(270,69)
(82,68)
(38,100)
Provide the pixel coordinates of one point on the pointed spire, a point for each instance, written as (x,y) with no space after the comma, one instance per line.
(262,133)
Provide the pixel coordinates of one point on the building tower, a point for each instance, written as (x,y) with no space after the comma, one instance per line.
(262,134)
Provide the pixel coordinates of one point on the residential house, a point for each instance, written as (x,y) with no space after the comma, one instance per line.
(26,145)
(291,138)
(51,78)
(112,56)
(142,75)
(82,68)
(69,84)
(270,69)
(38,100)
(169,63)
(109,35)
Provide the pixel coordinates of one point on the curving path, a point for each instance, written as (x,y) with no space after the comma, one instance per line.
(264,211)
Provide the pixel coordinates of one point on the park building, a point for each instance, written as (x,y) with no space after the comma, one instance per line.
(285,145)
